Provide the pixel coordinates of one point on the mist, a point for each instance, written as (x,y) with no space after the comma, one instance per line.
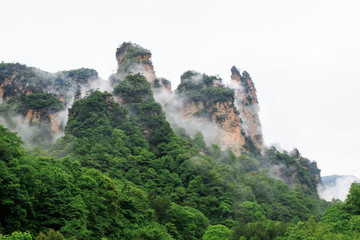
(172,104)
(38,134)
(336,187)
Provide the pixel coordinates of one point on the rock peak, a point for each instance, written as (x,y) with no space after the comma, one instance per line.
(133,59)
(131,50)
(247,104)
(246,82)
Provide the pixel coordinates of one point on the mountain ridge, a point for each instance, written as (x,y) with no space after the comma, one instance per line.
(126,169)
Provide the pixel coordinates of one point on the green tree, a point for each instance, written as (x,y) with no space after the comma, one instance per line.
(50,235)
(199,140)
(250,212)
(10,145)
(217,232)
(17,236)
(352,202)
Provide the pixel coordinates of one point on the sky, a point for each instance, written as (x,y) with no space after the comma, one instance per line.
(303,56)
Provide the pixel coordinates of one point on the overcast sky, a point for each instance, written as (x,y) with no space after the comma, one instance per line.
(303,56)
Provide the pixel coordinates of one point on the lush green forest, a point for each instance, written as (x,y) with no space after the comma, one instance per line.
(121,172)
(201,87)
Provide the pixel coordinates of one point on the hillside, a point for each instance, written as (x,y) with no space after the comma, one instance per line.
(143,162)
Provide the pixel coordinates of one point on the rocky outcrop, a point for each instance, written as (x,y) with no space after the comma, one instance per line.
(54,123)
(205,99)
(1,93)
(148,72)
(234,110)
(247,104)
(32,116)
(296,154)
(228,121)
(18,82)
(189,109)
(166,84)
(132,59)
(223,115)
(7,88)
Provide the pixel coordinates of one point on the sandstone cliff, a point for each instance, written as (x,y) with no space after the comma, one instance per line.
(132,59)
(247,104)
(207,99)
(224,117)
(32,116)
(55,123)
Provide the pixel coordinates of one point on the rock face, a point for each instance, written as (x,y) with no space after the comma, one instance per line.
(233,109)
(132,59)
(32,116)
(162,84)
(228,121)
(247,104)
(54,123)
(224,117)
(206,99)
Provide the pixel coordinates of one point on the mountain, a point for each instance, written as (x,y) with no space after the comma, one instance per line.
(336,186)
(230,114)
(141,161)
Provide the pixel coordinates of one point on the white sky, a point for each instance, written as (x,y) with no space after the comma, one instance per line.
(303,56)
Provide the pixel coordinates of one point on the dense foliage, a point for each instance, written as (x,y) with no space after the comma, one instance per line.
(131,50)
(201,87)
(40,101)
(81,75)
(136,94)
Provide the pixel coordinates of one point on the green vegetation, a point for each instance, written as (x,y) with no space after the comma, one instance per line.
(136,94)
(203,88)
(135,89)
(82,75)
(131,50)
(192,80)
(40,101)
